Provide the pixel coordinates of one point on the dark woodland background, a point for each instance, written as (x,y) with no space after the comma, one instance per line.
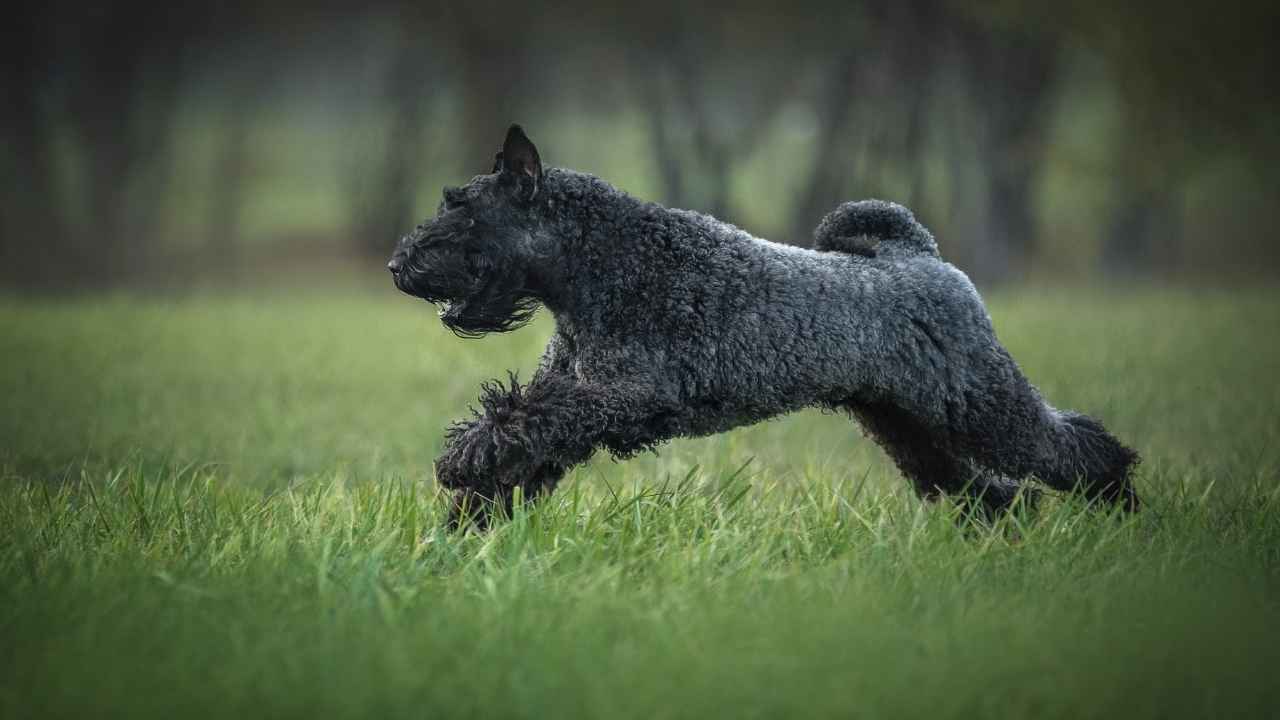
(169,146)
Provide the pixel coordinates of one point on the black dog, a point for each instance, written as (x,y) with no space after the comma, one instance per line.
(671,323)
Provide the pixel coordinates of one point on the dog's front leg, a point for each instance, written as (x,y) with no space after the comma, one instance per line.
(528,436)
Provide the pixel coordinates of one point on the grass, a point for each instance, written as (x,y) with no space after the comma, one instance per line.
(215,506)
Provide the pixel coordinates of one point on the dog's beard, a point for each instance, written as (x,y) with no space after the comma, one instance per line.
(486,313)
(499,305)
(483,294)
(482,309)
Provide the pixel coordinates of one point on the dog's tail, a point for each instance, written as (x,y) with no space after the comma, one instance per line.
(872,228)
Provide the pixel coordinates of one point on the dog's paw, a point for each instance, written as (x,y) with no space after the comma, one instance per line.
(478,458)
(476,510)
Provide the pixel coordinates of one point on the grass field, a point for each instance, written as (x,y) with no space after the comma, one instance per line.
(220,505)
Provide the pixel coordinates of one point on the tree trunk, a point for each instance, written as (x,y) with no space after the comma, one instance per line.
(1140,236)
(823,189)
(32,236)
(1011,72)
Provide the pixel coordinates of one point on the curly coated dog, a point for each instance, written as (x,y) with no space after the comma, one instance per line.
(670,323)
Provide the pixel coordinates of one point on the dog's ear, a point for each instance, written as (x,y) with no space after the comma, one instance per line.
(520,158)
(497,163)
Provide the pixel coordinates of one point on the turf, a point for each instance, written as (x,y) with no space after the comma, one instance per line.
(220,505)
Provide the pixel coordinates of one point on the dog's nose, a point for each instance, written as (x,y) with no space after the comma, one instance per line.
(395,264)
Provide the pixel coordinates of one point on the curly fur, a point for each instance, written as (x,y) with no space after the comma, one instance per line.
(671,323)
(871,228)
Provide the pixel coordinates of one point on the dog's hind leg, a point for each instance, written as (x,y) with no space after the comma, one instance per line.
(1086,456)
(932,470)
(1022,436)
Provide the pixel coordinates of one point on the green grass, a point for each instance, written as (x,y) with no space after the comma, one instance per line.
(220,506)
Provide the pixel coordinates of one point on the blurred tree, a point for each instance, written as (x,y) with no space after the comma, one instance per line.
(877,67)
(945,106)
(384,206)
(123,68)
(1009,72)
(712,82)
(494,46)
(1197,86)
(832,146)
(31,231)
(246,76)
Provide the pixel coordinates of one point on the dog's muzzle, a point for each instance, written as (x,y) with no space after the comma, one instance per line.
(396,263)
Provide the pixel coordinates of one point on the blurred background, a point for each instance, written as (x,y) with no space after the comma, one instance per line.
(172,145)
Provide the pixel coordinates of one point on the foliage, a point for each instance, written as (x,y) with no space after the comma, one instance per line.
(144,139)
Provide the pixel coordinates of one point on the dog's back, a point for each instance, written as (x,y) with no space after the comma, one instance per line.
(766,328)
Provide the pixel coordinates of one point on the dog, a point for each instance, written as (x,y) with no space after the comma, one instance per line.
(670,323)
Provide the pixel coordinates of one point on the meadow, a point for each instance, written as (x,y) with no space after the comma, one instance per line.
(219,504)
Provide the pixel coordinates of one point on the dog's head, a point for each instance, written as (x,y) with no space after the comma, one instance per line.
(472,257)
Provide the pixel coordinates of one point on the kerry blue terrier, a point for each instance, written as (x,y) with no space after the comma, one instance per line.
(671,323)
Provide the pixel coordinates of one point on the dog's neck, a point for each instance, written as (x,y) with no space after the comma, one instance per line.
(582,214)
